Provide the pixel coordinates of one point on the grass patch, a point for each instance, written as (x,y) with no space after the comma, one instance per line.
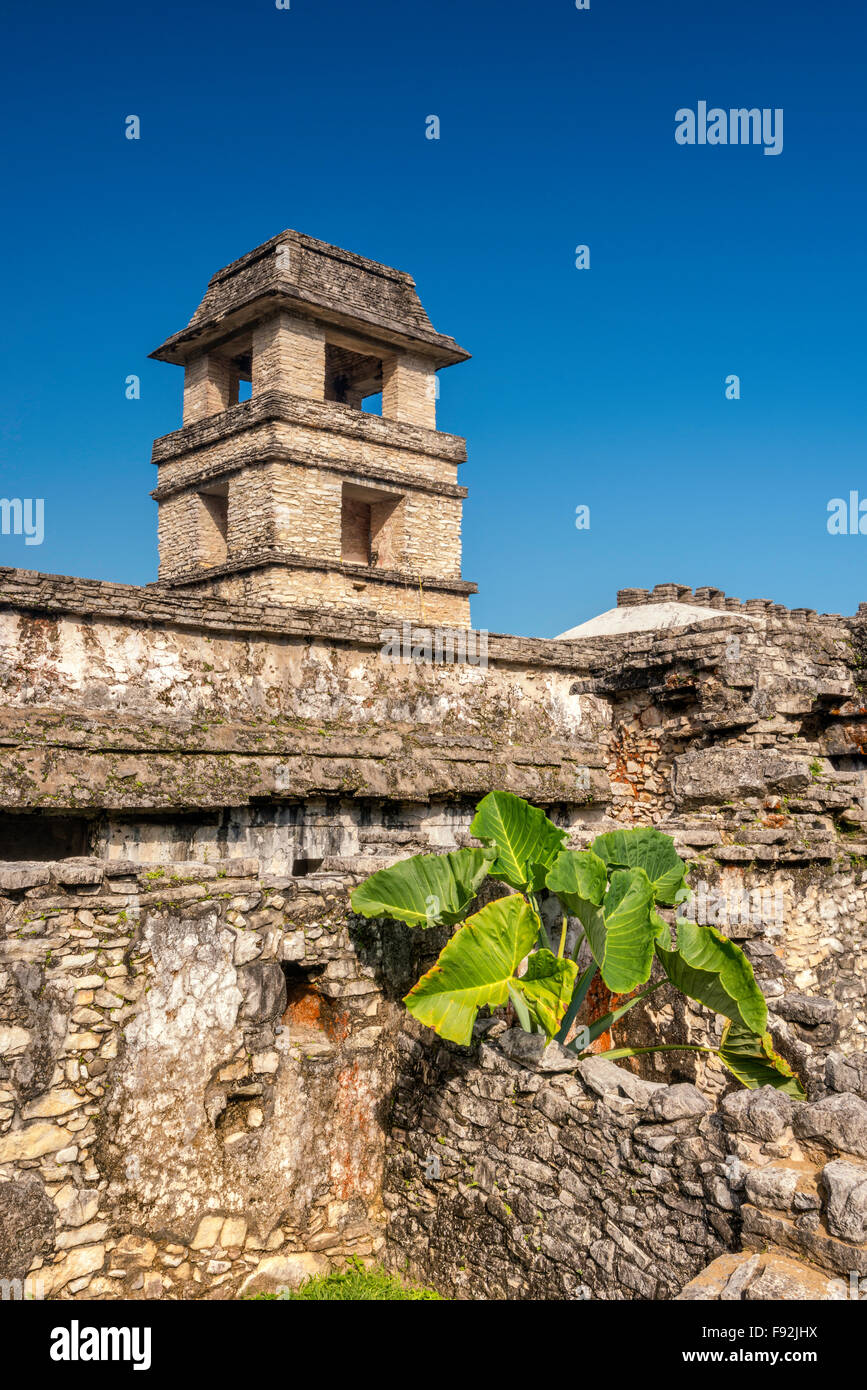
(355,1283)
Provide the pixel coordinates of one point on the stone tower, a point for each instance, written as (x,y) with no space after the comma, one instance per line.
(297,495)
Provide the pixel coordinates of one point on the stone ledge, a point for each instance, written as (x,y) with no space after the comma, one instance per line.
(274,555)
(320,415)
(365,473)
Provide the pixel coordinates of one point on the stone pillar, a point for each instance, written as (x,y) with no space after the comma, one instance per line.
(207,387)
(669,593)
(409,391)
(289,355)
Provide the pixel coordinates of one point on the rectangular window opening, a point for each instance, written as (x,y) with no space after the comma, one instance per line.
(369,531)
(302,867)
(214,525)
(353,379)
(38,837)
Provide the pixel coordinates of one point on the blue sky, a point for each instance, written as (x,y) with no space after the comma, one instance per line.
(603,387)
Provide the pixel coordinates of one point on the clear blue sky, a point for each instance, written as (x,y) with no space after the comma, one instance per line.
(602,387)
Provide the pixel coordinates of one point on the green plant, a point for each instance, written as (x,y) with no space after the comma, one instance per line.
(503,953)
(353,1283)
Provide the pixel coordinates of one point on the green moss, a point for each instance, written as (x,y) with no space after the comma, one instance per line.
(356,1284)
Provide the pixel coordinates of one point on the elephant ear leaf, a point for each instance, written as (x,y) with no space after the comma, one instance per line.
(710,968)
(525,840)
(662,929)
(547,988)
(621,933)
(475,968)
(577,876)
(752,1059)
(425,891)
(649,850)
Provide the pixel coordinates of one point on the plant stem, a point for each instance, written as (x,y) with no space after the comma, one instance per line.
(578,997)
(562,947)
(663,1047)
(544,942)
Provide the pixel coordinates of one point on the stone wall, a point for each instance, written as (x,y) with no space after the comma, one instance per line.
(193,1073)
(144,729)
(515,1174)
(175,726)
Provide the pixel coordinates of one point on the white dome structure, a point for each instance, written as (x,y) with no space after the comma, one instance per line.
(650,617)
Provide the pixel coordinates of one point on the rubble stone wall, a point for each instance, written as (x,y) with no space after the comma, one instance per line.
(210,759)
(193,1077)
(516,1174)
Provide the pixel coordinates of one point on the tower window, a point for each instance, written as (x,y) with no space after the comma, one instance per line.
(370,527)
(351,378)
(214,525)
(355,531)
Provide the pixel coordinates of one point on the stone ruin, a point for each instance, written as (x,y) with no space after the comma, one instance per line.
(208,1085)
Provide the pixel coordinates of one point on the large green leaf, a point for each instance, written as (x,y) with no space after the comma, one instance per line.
(547,988)
(646,849)
(425,891)
(661,927)
(577,875)
(622,932)
(527,843)
(752,1059)
(712,969)
(475,968)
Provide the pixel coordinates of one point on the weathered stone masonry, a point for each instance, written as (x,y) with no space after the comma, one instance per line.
(207,1083)
(297,495)
(194,1053)
(160,729)
(515,1175)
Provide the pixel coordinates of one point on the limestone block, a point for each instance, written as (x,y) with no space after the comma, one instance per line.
(846,1210)
(679,1102)
(713,776)
(277,1272)
(207,1233)
(847,1073)
(771,1276)
(78,1263)
(76,1205)
(837,1122)
(263,986)
(233,1232)
(765,1114)
(15,877)
(32,1142)
(13,1041)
